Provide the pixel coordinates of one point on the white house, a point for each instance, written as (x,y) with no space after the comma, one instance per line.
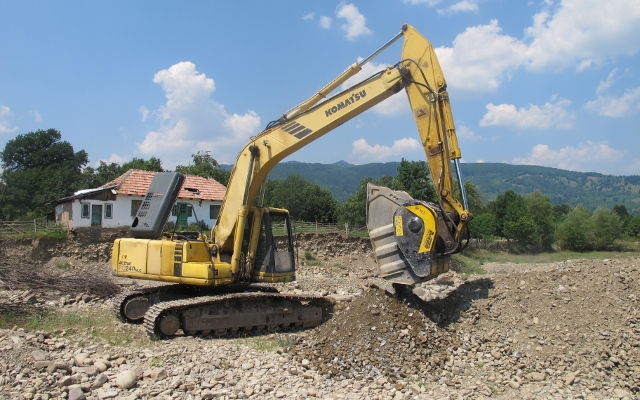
(115,203)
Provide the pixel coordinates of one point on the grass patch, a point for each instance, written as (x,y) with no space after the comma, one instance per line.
(36,235)
(310,258)
(156,362)
(471,261)
(63,265)
(308,255)
(338,266)
(468,265)
(100,324)
(269,343)
(484,256)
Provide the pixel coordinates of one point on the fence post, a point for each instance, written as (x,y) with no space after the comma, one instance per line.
(35,226)
(346,229)
(316,226)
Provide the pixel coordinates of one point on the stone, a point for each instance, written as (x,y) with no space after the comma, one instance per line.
(570,378)
(536,376)
(126,379)
(100,380)
(82,359)
(38,355)
(107,394)
(76,394)
(40,365)
(159,374)
(65,381)
(101,366)
(89,371)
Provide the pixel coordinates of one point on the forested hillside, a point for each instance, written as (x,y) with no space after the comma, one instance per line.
(588,188)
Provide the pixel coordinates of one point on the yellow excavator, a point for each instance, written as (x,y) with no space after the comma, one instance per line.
(214,278)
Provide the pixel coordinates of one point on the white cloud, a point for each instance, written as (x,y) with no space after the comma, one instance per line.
(605,85)
(394,105)
(551,115)
(460,6)
(465,133)
(616,106)
(5,124)
(309,16)
(429,3)
(192,120)
(114,158)
(37,117)
(588,156)
(582,33)
(576,34)
(325,22)
(481,58)
(144,113)
(363,151)
(355,23)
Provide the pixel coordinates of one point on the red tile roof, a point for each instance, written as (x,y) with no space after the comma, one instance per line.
(136,182)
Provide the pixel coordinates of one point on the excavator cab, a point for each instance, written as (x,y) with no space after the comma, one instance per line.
(275,256)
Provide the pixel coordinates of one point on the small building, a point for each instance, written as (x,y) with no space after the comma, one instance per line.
(114,204)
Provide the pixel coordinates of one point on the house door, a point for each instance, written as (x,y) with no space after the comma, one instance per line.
(182,211)
(96,214)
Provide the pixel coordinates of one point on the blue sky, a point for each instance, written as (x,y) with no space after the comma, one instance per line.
(549,82)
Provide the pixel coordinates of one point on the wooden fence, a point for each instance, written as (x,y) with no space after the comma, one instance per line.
(21,228)
(346,229)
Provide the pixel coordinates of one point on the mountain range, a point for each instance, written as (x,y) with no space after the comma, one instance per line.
(561,186)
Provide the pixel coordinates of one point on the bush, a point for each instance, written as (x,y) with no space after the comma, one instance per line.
(483,226)
(582,230)
(633,226)
(574,232)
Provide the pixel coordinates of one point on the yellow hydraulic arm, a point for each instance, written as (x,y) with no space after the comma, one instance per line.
(418,73)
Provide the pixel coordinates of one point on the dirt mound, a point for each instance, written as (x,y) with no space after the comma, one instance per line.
(376,335)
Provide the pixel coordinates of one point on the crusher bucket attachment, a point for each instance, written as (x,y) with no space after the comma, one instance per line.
(404,235)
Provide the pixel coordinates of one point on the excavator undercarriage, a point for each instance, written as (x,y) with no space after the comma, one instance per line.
(170,310)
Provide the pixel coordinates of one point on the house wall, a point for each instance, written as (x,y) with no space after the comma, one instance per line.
(121,212)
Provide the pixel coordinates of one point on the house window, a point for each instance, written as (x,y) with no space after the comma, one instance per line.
(183,206)
(214,210)
(108,211)
(85,210)
(135,204)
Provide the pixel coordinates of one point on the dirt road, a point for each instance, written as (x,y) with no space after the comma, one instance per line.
(562,330)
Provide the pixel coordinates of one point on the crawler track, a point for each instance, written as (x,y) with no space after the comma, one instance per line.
(131,306)
(233,313)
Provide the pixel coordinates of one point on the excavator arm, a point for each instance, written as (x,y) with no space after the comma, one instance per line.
(419,74)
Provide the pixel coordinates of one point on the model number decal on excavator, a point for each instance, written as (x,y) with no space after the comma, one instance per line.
(398,224)
(126,266)
(345,103)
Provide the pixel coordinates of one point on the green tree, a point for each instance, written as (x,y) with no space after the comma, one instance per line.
(413,178)
(353,209)
(483,226)
(204,165)
(305,200)
(474,198)
(540,211)
(507,207)
(152,164)
(633,227)
(574,232)
(38,167)
(606,227)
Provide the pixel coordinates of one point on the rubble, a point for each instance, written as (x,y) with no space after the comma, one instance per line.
(560,330)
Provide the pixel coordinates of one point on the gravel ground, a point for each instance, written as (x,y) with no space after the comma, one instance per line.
(560,330)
